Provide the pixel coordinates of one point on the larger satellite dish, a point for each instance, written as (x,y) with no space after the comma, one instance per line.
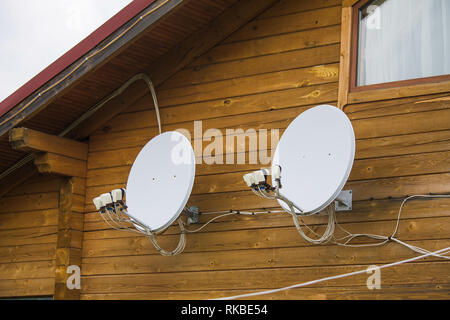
(160,181)
(316,154)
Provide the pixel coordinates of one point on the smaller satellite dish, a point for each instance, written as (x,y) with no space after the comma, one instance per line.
(316,154)
(160,181)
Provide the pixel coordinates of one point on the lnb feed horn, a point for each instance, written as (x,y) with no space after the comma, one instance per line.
(118,194)
(98,203)
(106,199)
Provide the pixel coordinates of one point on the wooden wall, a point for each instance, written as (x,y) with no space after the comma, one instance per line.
(263,76)
(28,235)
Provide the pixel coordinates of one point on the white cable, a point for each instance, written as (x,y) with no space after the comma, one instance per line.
(115,93)
(418,249)
(326,236)
(181,243)
(386,239)
(242,212)
(223,215)
(120,227)
(117,220)
(333,277)
(155,101)
(231,212)
(91,111)
(416,196)
(328,233)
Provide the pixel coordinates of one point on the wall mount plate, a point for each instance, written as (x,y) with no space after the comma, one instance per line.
(343,201)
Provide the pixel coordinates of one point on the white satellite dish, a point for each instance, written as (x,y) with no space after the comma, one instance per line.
(160,181)
(316,154)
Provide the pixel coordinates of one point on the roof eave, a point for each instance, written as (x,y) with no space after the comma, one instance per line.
(26,100)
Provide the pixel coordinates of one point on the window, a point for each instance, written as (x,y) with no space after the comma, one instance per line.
(399,42)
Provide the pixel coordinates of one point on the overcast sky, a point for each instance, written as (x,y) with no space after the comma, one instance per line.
(34,33)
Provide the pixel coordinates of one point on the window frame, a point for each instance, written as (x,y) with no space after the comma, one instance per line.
(349,92)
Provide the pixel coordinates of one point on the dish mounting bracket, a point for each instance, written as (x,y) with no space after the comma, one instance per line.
(192,214)
(343,201)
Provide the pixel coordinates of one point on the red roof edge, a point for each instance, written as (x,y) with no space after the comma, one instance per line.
(100,34)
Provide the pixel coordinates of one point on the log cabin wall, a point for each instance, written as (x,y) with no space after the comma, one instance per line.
(28,236)
(263,76)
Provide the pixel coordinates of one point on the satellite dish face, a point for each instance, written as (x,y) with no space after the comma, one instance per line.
(316,154)
(161,180)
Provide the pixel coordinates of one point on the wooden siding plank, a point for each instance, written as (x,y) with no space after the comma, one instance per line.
(389,107)
(364,169)
(33,252)
(225,89)
(27,287)
(27,270)
(270,45)
(29,202)
(362,190)
(40,218)
(362,212)
(409,229)
(135,129)
(256,258)
(37,184)
(424,273)
(232,112)
(34,235)
(256,65)
(288,23)
(419,292)
(399,92)
(284,7)
(367,148)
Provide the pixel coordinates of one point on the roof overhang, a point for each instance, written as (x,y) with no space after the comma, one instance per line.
(161,43)
(90,53)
